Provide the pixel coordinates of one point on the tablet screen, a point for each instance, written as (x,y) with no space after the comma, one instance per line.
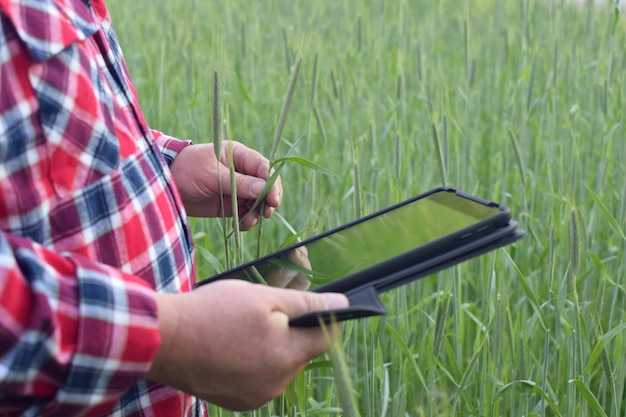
(442,217)
(386,236)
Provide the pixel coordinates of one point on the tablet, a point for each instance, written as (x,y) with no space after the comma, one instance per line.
(388,248)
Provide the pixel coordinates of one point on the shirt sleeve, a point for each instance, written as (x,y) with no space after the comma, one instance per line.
(169,146)
(74,334)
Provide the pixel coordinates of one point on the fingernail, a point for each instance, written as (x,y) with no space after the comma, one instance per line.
(335,301)
(257,187)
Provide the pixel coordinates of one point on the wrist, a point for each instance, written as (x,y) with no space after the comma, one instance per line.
(169,322)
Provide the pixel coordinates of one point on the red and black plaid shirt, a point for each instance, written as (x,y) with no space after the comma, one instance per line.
(90,221)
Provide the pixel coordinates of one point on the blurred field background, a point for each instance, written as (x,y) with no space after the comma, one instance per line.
(517,101)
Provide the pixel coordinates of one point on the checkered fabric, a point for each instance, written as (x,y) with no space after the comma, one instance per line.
(91,223)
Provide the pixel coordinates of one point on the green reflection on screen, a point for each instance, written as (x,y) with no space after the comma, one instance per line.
(385,236)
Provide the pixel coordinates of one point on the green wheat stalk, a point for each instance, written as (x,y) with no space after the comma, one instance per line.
(217,149)
(440,156)
(277,138)
(343,380)
(357,182)
(235,206)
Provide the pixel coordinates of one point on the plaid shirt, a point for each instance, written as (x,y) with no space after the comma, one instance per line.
(90,221)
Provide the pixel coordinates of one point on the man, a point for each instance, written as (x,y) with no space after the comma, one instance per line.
(96,259)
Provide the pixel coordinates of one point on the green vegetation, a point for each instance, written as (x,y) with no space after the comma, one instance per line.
(517,101)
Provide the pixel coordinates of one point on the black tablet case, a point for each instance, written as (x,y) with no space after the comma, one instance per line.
(364,298)
(363,288)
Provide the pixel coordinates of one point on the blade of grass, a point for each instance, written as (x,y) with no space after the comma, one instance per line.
(320,126)
(276,168)
(306,164)
(440,320)
(606,213)
(591,399)
(532,385)
(600,345)
(518,156)
(530,295)
(409,356)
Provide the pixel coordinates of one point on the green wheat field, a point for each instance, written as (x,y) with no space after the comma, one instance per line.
(518,101)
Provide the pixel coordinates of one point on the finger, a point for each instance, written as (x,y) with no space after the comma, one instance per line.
(247,161)
(310,342)
(247,187)
(300,256)
(209,209)
(248,220)
(280,277)
(297,303)
(288,278)
(299,282)
(290,275)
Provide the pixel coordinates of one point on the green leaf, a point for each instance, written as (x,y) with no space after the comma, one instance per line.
(591,399)
(208,256)
(607,214)
(602,341)
(261,198)
(532,299)
(534,387)
(295,236)
(409,356)
(307,164)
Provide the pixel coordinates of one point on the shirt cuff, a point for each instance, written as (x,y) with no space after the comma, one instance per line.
(77,335)
(118,337)
(169,146)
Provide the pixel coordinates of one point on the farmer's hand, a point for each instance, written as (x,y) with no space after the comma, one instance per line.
(285,277)
(195,172)
(230,342)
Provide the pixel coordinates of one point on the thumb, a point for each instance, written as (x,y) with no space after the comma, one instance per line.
(314,341)
(298,303)
(248,187)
